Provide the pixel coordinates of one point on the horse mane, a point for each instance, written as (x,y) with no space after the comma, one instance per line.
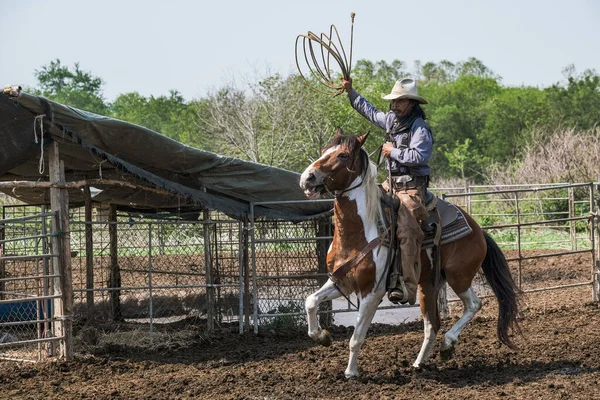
(372,192)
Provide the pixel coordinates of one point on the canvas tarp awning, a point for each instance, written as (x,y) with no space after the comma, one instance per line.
(159,174)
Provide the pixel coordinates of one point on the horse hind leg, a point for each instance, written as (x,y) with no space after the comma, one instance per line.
(327,292)
(471,304)
(366,312)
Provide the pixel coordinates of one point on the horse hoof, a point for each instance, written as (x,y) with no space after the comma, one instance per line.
(352,377)
(324,339)
(447,354)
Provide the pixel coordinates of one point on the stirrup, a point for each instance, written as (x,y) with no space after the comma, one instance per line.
(399,294)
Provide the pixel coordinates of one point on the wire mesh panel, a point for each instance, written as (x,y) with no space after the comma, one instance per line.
(288,262)
(227,272)
(163,270)
(26,284)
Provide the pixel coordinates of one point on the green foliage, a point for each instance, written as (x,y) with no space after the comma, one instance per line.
(287,322)
(476,121)
(169,115)
(577,104)
(458,156)
(74,87)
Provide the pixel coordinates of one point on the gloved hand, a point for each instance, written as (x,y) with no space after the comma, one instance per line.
(347,84)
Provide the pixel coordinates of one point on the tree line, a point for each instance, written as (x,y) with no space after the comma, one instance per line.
(479,125)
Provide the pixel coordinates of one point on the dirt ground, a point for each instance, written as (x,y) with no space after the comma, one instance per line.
(558,357)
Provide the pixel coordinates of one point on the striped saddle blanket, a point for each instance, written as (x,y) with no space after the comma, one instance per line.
(454,224)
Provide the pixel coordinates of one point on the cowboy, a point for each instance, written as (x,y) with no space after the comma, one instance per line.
(408,149)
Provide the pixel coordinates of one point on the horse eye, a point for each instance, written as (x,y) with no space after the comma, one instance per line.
(343,156)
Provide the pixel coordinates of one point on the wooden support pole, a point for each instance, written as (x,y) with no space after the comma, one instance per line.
(89,253)
(80,184)
(2,267)
(208,265)
(246,268)
(61,265)
(115,273)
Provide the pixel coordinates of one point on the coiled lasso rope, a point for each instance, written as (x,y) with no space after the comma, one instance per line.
(319,68)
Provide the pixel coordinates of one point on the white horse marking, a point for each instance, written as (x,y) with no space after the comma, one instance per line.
(472,305)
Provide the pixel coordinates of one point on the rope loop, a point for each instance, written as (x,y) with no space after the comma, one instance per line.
(328,46)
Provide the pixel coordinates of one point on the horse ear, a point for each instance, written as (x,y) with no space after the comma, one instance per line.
(362,139)
(339,132)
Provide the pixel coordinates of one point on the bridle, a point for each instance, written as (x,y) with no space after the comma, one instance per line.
(363,173)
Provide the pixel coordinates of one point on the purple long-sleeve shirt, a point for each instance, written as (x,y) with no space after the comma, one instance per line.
(420,146)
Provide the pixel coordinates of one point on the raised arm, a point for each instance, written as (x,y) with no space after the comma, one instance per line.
(363,107)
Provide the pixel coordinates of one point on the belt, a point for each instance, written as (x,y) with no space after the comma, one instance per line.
(410,181)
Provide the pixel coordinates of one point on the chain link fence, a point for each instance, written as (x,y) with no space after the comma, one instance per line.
(157,271)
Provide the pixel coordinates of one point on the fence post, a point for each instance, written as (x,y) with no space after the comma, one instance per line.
(2,267)
(241,280)
(115,271)
(208,266)
(246,269)
(596,267)
(89,253)
(251,236)
(572,230)
(518,212)
(323,230)
(61,245)
(468,191)
(150,291)
(46,248)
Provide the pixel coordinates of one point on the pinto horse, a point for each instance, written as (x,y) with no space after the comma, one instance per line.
(344,170)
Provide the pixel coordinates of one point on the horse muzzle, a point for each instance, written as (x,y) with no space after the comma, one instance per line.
(312,184)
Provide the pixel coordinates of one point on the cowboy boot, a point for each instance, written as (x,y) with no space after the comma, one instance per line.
(410,238)
(397,292)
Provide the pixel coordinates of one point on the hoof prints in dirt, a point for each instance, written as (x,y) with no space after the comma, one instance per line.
(552,361)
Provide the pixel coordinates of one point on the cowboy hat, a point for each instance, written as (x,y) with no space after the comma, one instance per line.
(405,88)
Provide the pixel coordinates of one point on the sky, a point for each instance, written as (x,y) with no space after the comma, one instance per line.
(195,47)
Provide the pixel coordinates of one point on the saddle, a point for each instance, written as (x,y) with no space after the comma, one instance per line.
(449,217)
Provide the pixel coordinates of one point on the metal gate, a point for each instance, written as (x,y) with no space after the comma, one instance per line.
(29,287)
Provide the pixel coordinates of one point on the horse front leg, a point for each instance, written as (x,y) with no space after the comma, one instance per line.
(327,292)
(366,312)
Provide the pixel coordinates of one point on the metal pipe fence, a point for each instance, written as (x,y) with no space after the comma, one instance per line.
(541,227)
(528,221)
(27,287)
(211,271)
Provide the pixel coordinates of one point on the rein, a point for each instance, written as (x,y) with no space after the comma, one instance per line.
(341,271)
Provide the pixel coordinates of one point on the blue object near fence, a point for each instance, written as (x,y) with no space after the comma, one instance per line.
(16,312)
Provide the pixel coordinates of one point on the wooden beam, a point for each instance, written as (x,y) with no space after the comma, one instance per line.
(115,273)
(208,266)
(2,268)
(89,252)
(61,265)
(81,184)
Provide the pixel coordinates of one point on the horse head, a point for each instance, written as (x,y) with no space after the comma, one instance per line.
(340,164)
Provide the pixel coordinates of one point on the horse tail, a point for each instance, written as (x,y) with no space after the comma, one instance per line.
(496,271)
